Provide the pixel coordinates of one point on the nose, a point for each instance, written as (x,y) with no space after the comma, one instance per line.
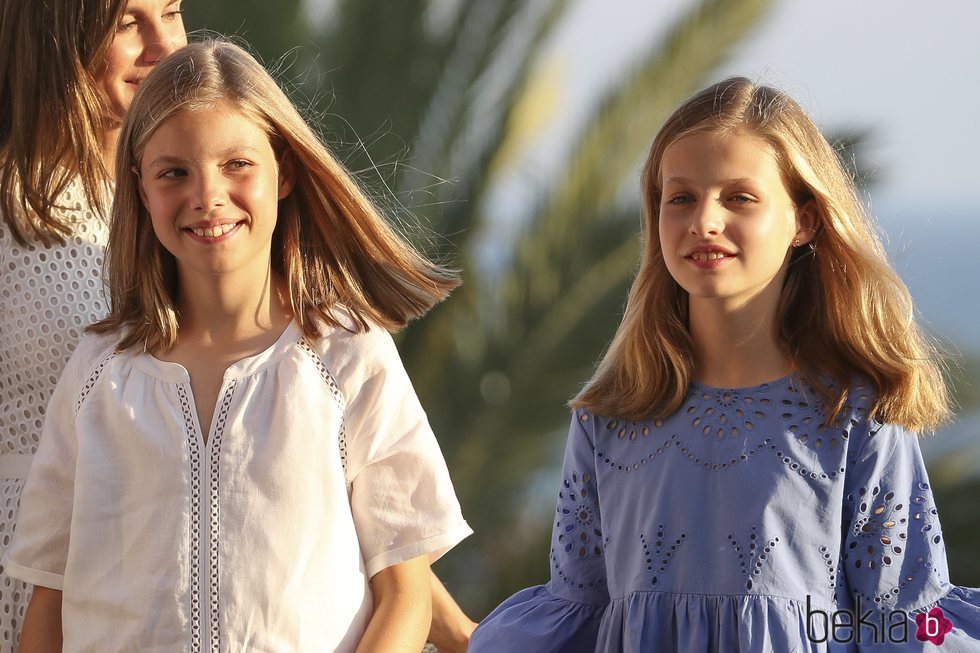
(209,192)
(707,219)
(162,40)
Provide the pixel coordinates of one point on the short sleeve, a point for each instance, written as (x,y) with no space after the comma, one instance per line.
(402,497)
(563,616)
(894,558)
(39,551)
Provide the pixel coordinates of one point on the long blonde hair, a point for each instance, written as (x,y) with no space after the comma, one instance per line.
(52,110)
(330,243)
(843,311)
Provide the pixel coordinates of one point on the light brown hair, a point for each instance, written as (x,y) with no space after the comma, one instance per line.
(843,312)
(330,243)
(51,110)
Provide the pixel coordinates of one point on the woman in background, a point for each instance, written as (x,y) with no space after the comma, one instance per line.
(68,70)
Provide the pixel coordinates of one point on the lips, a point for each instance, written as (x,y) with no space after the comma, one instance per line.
(709,257)
(708,252)
(213,231)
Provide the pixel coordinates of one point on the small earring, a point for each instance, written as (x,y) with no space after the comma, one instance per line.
(796,242)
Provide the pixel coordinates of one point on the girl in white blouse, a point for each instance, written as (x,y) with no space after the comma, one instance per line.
(235,459)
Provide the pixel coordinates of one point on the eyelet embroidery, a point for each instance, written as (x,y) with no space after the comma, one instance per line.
(335,392)
(93,379)
(879,535)
(624,429)
(629,467)
(215,463)
(716,466)
(723,413)
(875,540)
(890,595)
(751,560)
(926,513)
(194,458)
(801,469)
(832,566)
(579,532)
(805,419)
(659,554)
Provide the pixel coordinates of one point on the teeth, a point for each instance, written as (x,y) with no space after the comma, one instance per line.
(708,256)
(214,232)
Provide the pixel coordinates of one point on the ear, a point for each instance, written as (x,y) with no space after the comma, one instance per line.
(807,221)
(287,173)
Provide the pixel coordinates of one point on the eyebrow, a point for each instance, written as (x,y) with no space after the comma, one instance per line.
(133,11)
(685,180)
(228,152)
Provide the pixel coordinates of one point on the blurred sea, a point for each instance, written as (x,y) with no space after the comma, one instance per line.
(938,260)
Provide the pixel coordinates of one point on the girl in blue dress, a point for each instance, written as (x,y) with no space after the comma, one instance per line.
(742,472)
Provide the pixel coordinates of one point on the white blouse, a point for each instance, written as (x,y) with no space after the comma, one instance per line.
(319,470)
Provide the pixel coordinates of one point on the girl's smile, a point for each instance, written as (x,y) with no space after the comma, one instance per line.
(214,232)
(709,258)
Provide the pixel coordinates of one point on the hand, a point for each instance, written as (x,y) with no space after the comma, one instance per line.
(451,628)
(42,623)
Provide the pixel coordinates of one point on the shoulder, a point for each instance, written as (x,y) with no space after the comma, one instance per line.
(871,438)
(354,353)
(92,349)
(819,395)
(351,338)
(88,361)
(592,428)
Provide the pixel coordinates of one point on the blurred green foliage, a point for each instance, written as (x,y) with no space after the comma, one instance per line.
(964,378)
(271,29)
(958,511)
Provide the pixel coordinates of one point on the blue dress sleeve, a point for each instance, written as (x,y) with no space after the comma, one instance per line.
(564,615)
(893,558)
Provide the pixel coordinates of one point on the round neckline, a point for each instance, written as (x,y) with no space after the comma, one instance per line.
(786,379)
(177,373)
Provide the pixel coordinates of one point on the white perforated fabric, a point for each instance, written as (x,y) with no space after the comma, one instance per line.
(48,295)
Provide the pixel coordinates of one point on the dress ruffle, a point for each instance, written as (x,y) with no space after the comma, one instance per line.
(535,620)
(643,622)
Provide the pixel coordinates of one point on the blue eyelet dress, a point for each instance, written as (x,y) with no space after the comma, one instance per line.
(742,524)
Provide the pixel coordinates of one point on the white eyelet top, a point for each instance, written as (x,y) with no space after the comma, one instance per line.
(48,295)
